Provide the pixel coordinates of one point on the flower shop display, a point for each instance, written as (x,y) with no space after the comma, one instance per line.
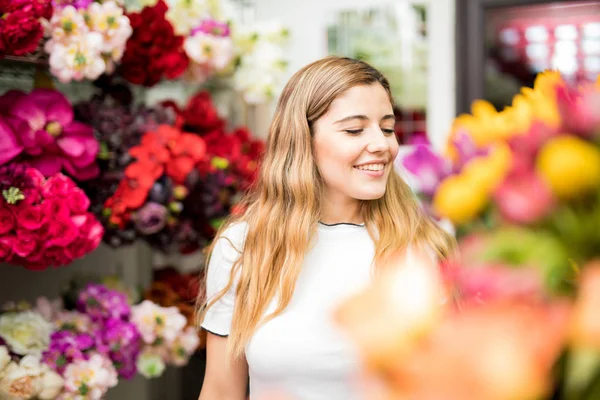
(524,182)
(169,174)
(170,288)
(87,41)
(44,222)
(38,128)
(49,352)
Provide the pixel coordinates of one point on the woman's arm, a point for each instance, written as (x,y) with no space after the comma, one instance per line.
(223,380)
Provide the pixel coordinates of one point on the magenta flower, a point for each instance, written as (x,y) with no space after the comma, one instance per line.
(52,138)
(212,27)
(428,167)
(9,145)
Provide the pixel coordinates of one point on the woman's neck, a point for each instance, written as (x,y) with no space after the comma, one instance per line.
(340,211)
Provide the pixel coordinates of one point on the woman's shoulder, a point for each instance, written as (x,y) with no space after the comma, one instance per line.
(231,239)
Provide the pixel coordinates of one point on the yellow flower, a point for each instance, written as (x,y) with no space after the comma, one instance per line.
(570,165)
(487,172)
(460,199)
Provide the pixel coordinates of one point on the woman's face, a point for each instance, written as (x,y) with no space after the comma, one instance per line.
(355,145)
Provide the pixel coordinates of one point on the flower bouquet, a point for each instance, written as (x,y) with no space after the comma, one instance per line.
(522,185)
(44,222)
(50,352)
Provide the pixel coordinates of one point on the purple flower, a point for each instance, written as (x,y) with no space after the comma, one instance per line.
(151,218)
(52,138)
(428,167)
(466,149)
(101,303)
(67,347)
(212,27)
(123,341)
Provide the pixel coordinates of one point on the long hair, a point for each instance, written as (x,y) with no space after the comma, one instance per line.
(283,208)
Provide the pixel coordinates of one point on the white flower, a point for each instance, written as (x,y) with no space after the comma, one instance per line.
(184,15)
(90,378)
(108,19)
(26,332)
(184,346)
(80,59)
(206,49)
(52,384)
(150,365)
(4,359)
(157,323)
(64,25)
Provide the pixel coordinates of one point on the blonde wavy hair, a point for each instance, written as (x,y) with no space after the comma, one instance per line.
(283,209)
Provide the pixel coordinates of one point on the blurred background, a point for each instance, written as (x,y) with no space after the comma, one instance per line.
(130,129)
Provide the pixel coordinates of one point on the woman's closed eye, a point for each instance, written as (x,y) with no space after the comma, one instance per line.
(357,131)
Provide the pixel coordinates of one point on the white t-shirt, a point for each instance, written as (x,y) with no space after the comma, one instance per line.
(301,352)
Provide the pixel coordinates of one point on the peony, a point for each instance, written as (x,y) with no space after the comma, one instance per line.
(25,332)
(213,51)
(186,14)
(184,346)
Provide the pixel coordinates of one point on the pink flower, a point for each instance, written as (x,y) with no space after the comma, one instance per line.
(61,232)
(29,216)
(57,208)
(6,247)
(579,109)
(25,243)
(9,145)
(51,136)
(56,256)
(7,220)
(524,198)
(77,201)
(58,186)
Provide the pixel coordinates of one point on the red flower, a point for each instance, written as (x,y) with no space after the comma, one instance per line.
(187,152)
(201,115)
(78,202)
(25,243)
(30,217)
(20,28)
(153,50)
(6,247)
(7,220)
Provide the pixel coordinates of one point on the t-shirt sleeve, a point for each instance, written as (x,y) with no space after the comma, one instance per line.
(228,246)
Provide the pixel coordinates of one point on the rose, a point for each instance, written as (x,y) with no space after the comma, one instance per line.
(7,220)
(6,247)
(58,185)
(56,256)
(77,201)
(201,114)
(57,208)
(25,332)
(61,232)
(25,243)
(30,217)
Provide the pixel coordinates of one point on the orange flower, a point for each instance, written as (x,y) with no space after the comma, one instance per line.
(585,325)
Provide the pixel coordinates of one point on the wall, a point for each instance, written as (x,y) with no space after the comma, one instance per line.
(307,21)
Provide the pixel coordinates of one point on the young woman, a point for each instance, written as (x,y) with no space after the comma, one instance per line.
(327,211)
